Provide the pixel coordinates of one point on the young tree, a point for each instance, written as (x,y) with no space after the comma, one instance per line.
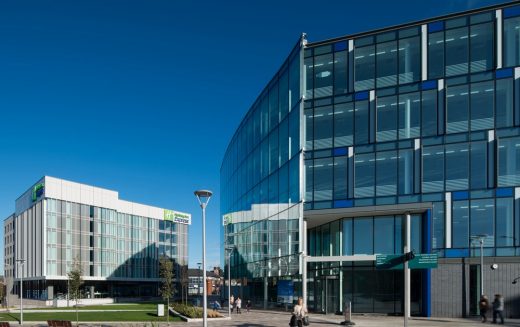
(75,281)
(167,289)
(184,283)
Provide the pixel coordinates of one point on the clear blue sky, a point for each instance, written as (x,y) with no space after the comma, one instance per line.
(143,96)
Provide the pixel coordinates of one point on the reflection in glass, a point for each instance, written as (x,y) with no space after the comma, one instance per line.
(504,102)
(405,172)
(323,122)
(478,165)
(409,60)
(409,115)
(512,41)
(457,166)
(323,77)
(504,222)
(364,165)
(457,102)
(483,220)
(457,51)
(386,57)
(364,70)
(323,179)
(386,119)
(383,236)
(386,173)
(340,177)
(433,169)
(436,55)
(482,96)
(363,235)
(509,161)
(482,49)
(340,72)
(343,124)
(460,224)
(361,122)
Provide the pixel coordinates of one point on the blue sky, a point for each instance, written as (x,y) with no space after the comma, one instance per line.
(143,96)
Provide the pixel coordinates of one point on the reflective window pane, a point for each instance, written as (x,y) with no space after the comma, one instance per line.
(364,166)
(386,119)
(323,122)
(347,236)
(509,161)
(340,72)
(409,115)
(323,78)
(433,169)
(457,50)
(364,68)
(405,172)
(386,173)
(409,60)
(478,165)
(504,222)
(386,56)
(483,220)
(512,41)
(482,96)
(439,221)
(340,177)
(429,113)
(482,47)
(504,102)
(436,55)
(309,180)
(361,122)
(460,224)
(383,236)
(323,179)
(457,166)
(457,102)
(343,124)
(363,235)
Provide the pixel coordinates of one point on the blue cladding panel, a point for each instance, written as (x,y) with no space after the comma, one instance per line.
(503,73)
(457,253)
(340,152)
(461,195)
(340,46)
(361,96)
(343,204)
(435,27)
(504,192)
(511,12)
(429,85)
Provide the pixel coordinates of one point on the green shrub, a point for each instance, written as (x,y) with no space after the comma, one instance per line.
(190,311)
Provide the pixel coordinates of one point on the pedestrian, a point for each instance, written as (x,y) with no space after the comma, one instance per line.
(238,303)
(248,305)
(232,302)
(498,308)
(299,314)
(483,306)
(216,306)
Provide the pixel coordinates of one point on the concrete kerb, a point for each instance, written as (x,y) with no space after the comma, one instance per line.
(196,319)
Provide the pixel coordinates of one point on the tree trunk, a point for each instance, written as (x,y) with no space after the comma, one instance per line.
(168,311)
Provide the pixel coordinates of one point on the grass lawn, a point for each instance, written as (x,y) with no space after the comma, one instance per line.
(89,316)
(152,306)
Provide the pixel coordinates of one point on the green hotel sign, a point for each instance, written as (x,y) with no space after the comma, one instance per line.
(37,191)
(177,217)
(226,219)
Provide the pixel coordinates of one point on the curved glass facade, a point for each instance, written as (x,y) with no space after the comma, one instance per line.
(420,119)
(260,179)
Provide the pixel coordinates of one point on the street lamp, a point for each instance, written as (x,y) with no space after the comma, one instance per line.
(229,251)
(203,196)
(198,280)
(21,262)
(480,238)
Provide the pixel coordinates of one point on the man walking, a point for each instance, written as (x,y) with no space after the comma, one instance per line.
(498,308)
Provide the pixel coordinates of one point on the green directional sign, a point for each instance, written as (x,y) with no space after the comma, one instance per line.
(395,261)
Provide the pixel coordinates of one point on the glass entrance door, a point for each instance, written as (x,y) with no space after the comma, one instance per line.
(331,294)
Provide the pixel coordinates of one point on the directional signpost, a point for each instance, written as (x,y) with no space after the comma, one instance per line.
(395,261)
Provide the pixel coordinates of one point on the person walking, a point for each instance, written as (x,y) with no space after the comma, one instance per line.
(232,302)
(238,303)
(498,308)
(248,305)
(216,306)
(299,314)
(483,306)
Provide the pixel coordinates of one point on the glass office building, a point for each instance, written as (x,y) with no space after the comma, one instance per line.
(356,132)
(117,243)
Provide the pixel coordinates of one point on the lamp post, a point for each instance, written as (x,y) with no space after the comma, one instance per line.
(21,262)
(229,251)
(203,196)
(480,238)
(198,280)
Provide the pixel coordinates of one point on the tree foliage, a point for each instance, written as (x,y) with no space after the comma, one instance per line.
(75,281)
(167,275)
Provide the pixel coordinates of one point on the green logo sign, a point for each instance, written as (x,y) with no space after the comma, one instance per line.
(226,219)
(395,261)
(177,217)
(37,191)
